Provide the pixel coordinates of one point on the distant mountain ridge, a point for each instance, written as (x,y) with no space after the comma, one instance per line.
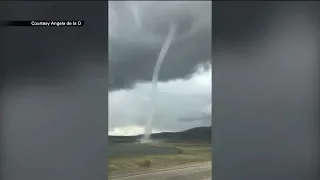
(194,134)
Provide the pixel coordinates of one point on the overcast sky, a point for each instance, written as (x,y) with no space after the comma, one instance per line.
(137,31)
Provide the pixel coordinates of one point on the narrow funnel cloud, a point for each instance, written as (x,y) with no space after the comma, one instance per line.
(163,52)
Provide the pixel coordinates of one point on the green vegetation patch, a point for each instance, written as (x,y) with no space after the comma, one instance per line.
(185,153)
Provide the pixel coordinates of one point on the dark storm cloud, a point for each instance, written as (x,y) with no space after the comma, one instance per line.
(133,53)
(138,61)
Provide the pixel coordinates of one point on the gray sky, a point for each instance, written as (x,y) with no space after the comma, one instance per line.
(136,34)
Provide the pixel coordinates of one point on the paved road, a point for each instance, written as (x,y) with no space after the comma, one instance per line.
(200,171)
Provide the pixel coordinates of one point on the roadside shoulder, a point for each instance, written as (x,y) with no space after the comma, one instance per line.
(156,169)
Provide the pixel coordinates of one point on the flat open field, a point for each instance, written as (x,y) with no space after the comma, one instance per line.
(135,156)
(138,149)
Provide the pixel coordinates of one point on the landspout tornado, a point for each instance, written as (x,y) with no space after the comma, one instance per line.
(163,52)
